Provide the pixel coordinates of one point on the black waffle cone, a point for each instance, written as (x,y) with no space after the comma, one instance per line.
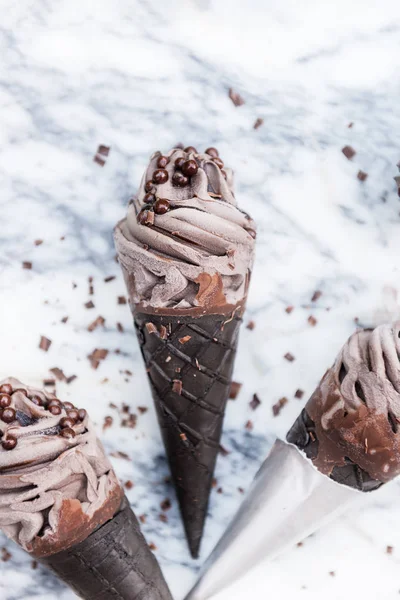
(113,563)
(303,435)
(198,354)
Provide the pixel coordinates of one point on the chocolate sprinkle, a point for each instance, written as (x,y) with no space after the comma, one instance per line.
(276,409)
(258,123)
(236,98)
(96,323)
(255,402)
(45,343)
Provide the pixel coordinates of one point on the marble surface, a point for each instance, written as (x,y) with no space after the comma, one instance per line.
(142,75)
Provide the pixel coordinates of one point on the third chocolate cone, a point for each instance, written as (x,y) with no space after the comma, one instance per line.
(189,363)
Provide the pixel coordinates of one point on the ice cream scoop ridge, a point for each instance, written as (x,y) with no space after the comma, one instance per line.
(56,484)
(355,411)
(186,242)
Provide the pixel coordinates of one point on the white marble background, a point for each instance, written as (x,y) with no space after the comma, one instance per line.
(140,76)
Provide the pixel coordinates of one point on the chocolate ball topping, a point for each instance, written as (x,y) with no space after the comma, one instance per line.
(67,433)
(212,152)
(72,414)
(149,198)
(190,168)
(9,443)
(8,415)
(161,206)
(191,149)
(180,161)
(54,402)
(66,422)
(160,176)
(36,400)
(82,414)
(5,400)
(162,162)
(179,179)
(55,409)
(21,391)
(149,186)
(6,388)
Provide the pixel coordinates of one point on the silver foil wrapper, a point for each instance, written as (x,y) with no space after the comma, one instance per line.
(288,500)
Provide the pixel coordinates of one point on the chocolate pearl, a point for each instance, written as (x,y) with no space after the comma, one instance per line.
(218,162)
(6,388)
(160,176)
(191,149)
(55,409)
(66,422)
(149,198)
(68,406)
(149,186)
(8,415)
(180,161)
(146,217)
(162,162)
(212,152)
(9,443)
(190,168)
(36,400)
(54,402)
(82,414)
(5,400)
(179,179)
(72,414)
(161,206)
(68,433)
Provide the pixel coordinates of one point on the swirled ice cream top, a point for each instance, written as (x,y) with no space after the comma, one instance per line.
(184,242)
(56,484)
(356,408)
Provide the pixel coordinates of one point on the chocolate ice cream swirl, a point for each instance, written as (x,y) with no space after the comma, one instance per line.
(184,242)
(356,408)
(56,484)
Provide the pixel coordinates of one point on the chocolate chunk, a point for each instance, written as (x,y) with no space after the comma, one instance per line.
(234,390)
(349,152)
(236,98)
(255,402)
(45,343)
(27,264)
(121,300)
(103,150)
(276,409)
(362,176)
(96,323)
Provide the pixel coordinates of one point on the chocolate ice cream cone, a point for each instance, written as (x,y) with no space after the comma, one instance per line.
(186,254)
(345,442)
(61,501)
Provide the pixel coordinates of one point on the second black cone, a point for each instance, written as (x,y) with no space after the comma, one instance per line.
(189,362)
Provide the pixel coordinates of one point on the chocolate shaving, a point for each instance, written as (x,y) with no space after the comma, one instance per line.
(142,409)
(64,319)
(234,390)
(389,549)
(120,328)
(177,386)
(108,421)
(96,323)
(362,176)
(100,161)
(142,519)
(312,321)
(38,242)
(250,325)
(58,373)
(121,300)
(236,98)
(276,409)
(289,357)
(258,123)
(109,278)
(165,504)
(45,343)
(255,402)
(152,546)
(96,356)
(316,295)
(299,394)
(27,264)
(49,382)
(349,152)
(89,304)
(289,309)
(249,425)
(103,150)
(71,378)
